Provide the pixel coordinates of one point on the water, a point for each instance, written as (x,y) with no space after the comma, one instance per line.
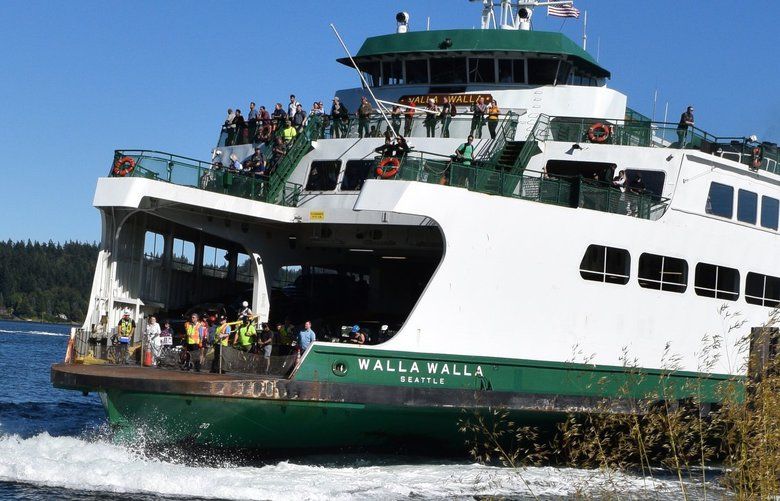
(55,444)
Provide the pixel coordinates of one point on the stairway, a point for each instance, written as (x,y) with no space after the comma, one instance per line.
(509,154)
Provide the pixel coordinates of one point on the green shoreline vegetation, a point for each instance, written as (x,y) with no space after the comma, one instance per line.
(45,282)
(732,446)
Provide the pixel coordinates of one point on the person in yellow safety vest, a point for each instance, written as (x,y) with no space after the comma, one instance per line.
(125,331)
(221,338)
(245,335)
(194,330)
(289,132)
(286,337)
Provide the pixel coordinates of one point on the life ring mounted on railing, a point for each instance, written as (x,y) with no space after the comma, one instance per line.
(394,164)
(124,166)
(599,132)
(756,158)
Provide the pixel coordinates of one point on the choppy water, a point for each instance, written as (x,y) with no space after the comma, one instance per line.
(54,444)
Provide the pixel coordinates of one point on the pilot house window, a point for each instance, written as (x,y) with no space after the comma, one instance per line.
(663,273)
(606,264)
(417,71)
(482,70)
(447,70)
(747,206)
(769,212)
(717,281)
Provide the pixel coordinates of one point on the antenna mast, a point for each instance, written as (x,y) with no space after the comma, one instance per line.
(513,17)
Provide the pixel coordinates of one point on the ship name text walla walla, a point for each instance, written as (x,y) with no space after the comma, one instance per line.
(420,372)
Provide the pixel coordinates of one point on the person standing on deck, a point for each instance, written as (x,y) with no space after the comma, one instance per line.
(265,344)
(364,116)
(686,120)
(293,106)
(245,335)
(125,331)
(193,330)
(447,112)
(465,151)
(409,119)
(478,120)
(305,338)
(246,311)
(221,339)
(153,332)
(493,112)
(395,119)
(431,115)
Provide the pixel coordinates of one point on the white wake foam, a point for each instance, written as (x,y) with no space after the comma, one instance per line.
(36,333)
(98,466)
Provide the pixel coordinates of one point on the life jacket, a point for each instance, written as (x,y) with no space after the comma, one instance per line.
(245,333)
(221,330)
(193,332)
(125,327)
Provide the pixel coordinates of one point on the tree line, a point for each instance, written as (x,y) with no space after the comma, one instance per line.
(48,281)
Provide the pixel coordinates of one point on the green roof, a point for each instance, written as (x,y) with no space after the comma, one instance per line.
(478,41)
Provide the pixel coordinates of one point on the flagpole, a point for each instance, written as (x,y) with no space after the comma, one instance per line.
(585,32)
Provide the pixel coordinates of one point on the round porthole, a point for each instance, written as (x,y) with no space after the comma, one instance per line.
(340,368)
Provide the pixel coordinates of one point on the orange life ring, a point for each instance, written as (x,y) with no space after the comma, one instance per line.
(392,171)
(124,166)
(598,133)
(756,162)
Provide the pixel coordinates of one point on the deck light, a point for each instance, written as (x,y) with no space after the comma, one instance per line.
(361,250)
(402,18)
(394,257)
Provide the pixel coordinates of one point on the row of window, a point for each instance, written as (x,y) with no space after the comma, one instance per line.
(215,262)
(461,70)
(720,202)
(324,175)
(613,265)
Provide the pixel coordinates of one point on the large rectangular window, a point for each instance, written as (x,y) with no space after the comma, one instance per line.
(417,71)
(153,245)
(762,290)
(663,273)
(215,262)
(323,175)
(717,281)
(511,71)
(183,254)
(605,264)
(747,206)
(769,212)
(355,173)
(448,70)
(370,73)
(720,200)
(542,71)
(243,268)
(392,73)
(482,70)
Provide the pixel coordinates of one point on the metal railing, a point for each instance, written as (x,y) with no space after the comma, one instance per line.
(645,133)
(184,171)
(417,125)
(567,191)
(98,349)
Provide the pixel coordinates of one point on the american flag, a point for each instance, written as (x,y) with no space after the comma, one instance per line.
(566,10)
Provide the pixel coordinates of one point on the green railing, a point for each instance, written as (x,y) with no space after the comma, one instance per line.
(296,149)
(645,133)
(505,132)
(559,190)
(184,171)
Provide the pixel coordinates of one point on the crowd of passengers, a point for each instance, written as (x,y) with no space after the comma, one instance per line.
(203,332)
(263,127)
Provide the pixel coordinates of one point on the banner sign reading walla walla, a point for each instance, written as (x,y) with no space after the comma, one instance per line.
(456,99)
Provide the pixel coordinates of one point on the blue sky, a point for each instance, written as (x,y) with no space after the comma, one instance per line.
(81,79)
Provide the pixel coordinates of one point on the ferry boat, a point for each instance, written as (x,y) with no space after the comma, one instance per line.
(522,280)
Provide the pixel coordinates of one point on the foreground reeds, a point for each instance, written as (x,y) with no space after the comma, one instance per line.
(733,442)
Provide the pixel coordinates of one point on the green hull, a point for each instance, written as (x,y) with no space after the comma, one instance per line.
(367,398)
